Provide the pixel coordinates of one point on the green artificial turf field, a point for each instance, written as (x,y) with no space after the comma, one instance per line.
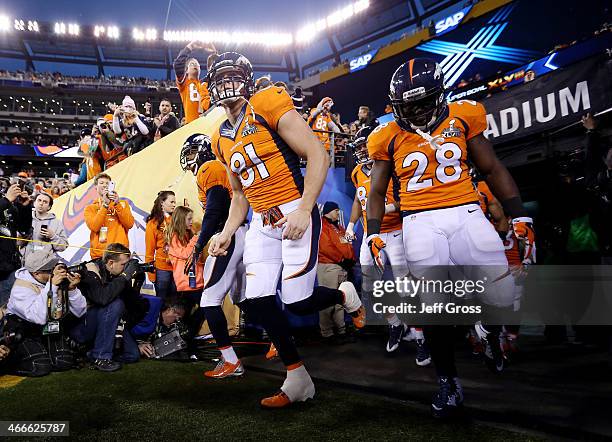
(155,400)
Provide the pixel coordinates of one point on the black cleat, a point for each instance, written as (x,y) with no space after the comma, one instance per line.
(449,399)
(106,365)
(396,333)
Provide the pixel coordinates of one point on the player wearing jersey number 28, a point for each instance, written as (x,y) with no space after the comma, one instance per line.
(426,148)
(260,145)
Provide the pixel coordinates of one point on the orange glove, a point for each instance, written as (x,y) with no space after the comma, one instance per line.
(523,229)
(376,246)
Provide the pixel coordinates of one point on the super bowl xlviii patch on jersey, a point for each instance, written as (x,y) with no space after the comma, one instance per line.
(451,131)
(249,129)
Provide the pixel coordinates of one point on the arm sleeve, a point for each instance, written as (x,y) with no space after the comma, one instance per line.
(142,127)
(124,213)
(78,303)
(92,288)
(476,118)
(95,218)
(60,238)
(150,242)
(116,125)
(217,208)
(179,64)
(275,104)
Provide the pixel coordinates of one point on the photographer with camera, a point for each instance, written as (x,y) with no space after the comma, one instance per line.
(15,216)
(133,129)
(162,333)
(108,218)
(111,285)
(45,228)
(42,299)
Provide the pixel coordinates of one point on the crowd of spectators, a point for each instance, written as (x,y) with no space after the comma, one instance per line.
(57,77)
(37,140)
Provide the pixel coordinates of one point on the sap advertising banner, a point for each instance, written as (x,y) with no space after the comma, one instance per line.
(359,63)
(550,102)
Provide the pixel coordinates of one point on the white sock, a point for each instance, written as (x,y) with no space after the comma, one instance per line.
(298,385)
(418,334)
(229,354)
(394,320)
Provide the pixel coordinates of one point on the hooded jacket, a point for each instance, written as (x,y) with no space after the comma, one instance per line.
(59,240)
(29,299)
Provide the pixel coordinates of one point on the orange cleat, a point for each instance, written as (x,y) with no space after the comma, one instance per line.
(225,369)
(279,400)
(359,317)
(272,352)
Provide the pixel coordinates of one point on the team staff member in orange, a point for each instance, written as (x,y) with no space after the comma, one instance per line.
(261,143)
(157,246)
(108,218)
(426,148)
(187,71)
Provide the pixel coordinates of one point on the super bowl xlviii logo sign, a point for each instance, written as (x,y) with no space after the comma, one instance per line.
(482,45)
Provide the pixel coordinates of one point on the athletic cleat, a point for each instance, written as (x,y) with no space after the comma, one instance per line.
(272,352)
(449,399)
(396,333)
(423,357)
(475,343)
(493,354)
(510,344)
(352,304)
(279,400)
(225,369)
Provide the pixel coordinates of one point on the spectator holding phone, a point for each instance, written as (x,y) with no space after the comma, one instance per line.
(108,218)
(47,231)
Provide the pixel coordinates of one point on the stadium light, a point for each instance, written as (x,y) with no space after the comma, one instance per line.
(5,23)
(311,30)
(149,34)
(60,28)
(271,39)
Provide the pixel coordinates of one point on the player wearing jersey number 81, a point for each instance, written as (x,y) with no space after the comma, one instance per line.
(260,144)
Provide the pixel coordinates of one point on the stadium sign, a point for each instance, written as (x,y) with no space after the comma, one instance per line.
(451,22)
(359,63)
(548,103)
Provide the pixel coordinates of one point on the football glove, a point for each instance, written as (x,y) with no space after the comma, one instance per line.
(376,246)
(523,229)
(350,232)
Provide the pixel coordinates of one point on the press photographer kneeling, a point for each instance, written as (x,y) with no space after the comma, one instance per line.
(43,300)
(111,285)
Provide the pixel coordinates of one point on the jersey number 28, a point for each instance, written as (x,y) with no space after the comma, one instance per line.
(448,157)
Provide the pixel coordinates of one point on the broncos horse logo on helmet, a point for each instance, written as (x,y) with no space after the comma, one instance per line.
(417,95)
(229,78)
(359,145)
(196,150)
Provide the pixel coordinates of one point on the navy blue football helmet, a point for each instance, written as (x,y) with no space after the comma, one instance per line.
(230,77)
(417,94)
(196,150)
(359,145)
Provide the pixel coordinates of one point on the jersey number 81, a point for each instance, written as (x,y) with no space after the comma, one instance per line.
(247,174)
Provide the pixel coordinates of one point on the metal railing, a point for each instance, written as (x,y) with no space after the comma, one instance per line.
(336,146)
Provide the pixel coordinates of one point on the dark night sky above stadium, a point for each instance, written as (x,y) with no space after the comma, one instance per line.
(281,15)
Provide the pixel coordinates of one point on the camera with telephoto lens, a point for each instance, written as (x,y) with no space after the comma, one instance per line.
(11,339)
(146,267)
(171,341)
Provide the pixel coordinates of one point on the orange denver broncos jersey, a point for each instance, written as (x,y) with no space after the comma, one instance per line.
(211,174)
(432,178)
(204,97)
(361,180)
(189,90)
(265,165)
(321,123)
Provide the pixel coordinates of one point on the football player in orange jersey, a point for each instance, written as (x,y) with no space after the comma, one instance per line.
(426,148)
(320,120)
(261,143)
(187,71)
(391,234)
(222,274)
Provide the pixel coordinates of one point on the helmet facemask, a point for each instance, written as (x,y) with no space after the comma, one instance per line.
(420,113)
(228,85)
(360,150)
